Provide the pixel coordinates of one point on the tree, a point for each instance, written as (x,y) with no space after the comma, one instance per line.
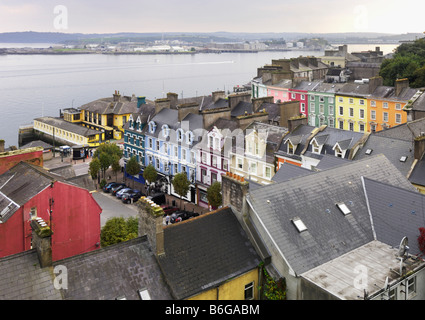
(214,195)
(133,167)
(115,165)
(150,173)
(106,153)
(118,229)
(94,168)
(181,185)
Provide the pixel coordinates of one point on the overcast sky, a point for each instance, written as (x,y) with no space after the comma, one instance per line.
(106,16)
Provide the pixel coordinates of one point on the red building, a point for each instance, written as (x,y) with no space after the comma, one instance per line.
(10,158)
(28,192)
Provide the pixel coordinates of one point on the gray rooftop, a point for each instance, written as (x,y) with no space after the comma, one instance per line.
(68,126)
(406,131)
(313,199)
(289,171)
(204,252)
(124,105)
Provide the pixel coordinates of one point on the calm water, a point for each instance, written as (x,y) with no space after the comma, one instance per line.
(35,85)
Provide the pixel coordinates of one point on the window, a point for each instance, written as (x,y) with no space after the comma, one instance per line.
(321,108)
(361,127)
(340,99)
(256,148)
(293,95)
(316,148)
(302,97)
(214,161)
(144,294)
(213,177)
(204,157)
(385,116)
(152,127)
(157,145)
(343,208)
(249,291)
(302,107)
(361,102)
(192,157)
(350,100)
(373,103)
(268,172)
(398,118)
(240,163)
(179,135)
(150,143)
(330,100)
(290,148)
(411,286)
(176,168)
(341,125)
(351,112)
(385,105)
(361,113)
(373,127)
(341,111)
(299,224)
(165,147)
(183,154)
(322,99)
(398,106)
(176,152)
(392,294)
(351,126)
(225,164)
(338,152)
(157,164)
(312,106)
(33,213)
(253,168)
(331,122)
(204,175)
(165,131)
(331,110)
(373,114)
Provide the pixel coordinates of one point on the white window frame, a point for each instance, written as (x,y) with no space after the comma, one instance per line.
(385,116)
(373,114)
(361,113)
(397,118)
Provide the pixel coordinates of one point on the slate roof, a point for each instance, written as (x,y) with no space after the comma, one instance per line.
(289,171)
(354,89)
(396,213)
(330,161)
(406,131)
(20,184)
(313,199)
(124,105)
(68,126)
(299,135)
(21,278)
(418,173)
(419,103)
(37,143)
(220,103)
(204,252)
(241,108)
(393,149)
(388,93)
(112,272)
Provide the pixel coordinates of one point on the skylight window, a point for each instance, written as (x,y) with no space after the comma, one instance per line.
(368,151)
(144,294)
(403,159)
(343,207)
(299,224)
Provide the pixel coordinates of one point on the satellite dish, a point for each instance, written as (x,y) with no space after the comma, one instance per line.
(403,248)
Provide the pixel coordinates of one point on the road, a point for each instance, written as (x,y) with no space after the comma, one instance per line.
(113,207)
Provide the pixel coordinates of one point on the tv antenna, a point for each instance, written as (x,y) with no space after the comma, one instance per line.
(403,248)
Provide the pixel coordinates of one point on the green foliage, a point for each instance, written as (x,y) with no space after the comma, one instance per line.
(181,184)
(272,289)
(102,183)
(94,168)
(408,62)
(132,167)
(150,173)
(115,165)
(118,229)
(214,194)
(107,153)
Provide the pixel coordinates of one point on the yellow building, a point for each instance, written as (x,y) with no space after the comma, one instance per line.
(67,133)
(110,114)
(351,108)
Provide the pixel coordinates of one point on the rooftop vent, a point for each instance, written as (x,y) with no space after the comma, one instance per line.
(343,208)
(299,224)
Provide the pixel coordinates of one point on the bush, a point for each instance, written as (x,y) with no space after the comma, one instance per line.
(102,183)
(118,229)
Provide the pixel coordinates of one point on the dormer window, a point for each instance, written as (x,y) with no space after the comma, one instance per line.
(189,137)
(165,131)
(179,135)
(291,148)
(338,152)
(316,147)
(152,127)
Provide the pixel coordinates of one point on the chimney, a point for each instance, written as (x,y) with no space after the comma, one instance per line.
(140,101)
(217,95)
(42,241)
(116,96)
(234,189)
(400,85)
(288,110)
(257,102)
(374,83)
(209,116)
(1,145)
(161,104)
(151,224)
(173,97)
(235,98)
(184,109)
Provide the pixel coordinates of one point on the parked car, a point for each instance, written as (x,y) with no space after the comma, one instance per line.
(121,192)
(182,215)
(169,209)
(117,188)
(158,198)
(108,186)
(130,195)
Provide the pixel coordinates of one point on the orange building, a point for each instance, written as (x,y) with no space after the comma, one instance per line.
(385,105)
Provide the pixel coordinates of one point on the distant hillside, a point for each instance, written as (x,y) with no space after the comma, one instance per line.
(56,37)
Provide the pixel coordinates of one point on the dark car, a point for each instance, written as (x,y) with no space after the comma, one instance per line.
(120,192)
(131,195)
(117,188)
(108,186)
(182,215)
(158,198)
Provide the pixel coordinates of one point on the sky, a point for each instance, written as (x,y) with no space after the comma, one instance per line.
(312,16)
